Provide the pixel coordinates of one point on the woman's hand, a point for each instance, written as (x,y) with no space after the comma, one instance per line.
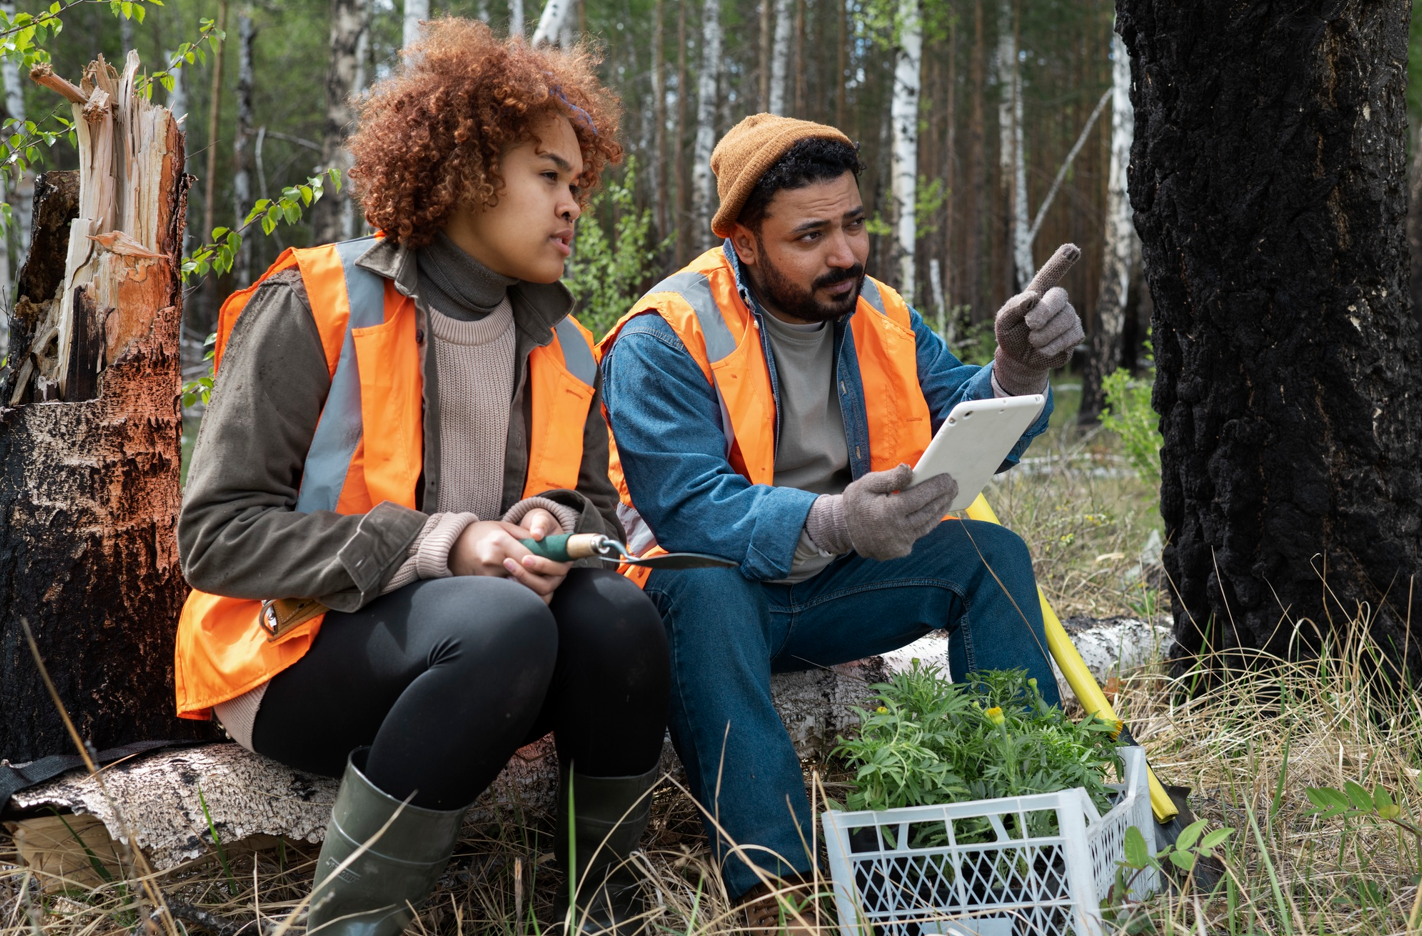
(540,523)
(492,547)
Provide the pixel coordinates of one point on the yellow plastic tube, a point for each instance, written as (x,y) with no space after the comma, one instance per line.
(1073,667)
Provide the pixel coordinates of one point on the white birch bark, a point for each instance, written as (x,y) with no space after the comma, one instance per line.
(22,196)
(702,181)
(348,22)
(482,11)
(553,24)
(516,18)
(415,11)
(1009,151)
(780,57)
(1021,234)
(242,144)
(1121,239)
(903,114)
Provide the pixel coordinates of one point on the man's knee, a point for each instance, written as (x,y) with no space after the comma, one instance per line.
(996,545)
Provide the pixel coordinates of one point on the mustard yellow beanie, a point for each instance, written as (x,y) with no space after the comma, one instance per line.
(749,149)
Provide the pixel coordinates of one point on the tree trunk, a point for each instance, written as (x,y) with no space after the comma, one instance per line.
(780,57)
(682,201)
(242,145)
(348,23)
(703,183)
(516,26)
(214,113)
(1414,222)
(903,111)
(89,554)
(416,11)
(557,14)
(659,120)
(1267,178)
(977,178)
(22,196)
(1105,355)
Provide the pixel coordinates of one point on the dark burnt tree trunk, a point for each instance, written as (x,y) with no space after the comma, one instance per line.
(1268,178)
(89,470)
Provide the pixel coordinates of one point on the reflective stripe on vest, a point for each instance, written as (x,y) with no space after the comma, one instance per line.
(884,348)
(221,651)
(338,432)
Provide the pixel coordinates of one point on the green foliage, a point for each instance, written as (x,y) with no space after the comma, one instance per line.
(1193,844)
(220,253)
(201,388)
(610,266)
(1355,802)
(187,54)
(934,741)
(1129,415)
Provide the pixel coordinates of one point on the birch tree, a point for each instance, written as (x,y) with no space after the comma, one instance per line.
(516,25)
(554,22)
(348,21)
(903,113)
(702,181)
(780,57)
(1120,241)
(415,12)
(24,186)
(242,145)
(1011,165)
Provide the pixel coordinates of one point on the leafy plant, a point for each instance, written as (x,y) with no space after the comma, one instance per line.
(1128,414)
(931,740)
(610,267)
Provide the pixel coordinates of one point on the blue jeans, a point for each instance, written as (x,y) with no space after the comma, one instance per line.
(729,633)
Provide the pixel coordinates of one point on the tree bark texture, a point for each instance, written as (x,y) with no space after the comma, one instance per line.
(242,145)
(703,183)
(348,23)
(415,12)
(1106,344)
(903,111)
(89,489)
(1268,179)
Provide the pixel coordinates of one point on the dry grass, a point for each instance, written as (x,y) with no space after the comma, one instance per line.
(1249,747)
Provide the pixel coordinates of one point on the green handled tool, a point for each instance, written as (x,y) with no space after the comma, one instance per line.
(566,547)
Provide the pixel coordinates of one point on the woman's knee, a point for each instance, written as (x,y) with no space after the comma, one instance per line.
(483,619)
(601,609)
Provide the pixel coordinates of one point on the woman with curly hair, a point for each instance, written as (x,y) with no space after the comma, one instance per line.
(390,417)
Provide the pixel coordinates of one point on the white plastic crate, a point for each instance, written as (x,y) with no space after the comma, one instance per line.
(1013,886)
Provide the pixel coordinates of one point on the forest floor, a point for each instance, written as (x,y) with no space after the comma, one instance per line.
(1249,748)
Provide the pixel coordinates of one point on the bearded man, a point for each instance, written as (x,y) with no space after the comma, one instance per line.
(765,404)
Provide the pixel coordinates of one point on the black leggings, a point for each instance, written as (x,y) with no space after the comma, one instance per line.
(446,678)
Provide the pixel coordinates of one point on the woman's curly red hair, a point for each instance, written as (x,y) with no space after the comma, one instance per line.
(430,137)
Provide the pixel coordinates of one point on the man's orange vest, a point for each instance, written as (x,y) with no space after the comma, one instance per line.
(704,308)
(368,447)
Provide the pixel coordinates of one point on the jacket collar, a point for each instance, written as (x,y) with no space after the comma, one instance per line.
(537,307)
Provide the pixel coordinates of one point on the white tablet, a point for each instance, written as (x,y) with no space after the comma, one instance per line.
(973,441)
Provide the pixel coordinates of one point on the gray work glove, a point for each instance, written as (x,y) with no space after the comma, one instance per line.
(1036,329)
(872,520)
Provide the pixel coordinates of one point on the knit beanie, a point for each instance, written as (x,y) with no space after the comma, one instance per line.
(747,151)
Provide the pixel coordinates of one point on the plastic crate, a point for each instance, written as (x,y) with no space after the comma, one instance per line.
(1013,886)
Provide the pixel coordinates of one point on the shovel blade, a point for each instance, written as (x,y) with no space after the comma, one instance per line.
(683,560)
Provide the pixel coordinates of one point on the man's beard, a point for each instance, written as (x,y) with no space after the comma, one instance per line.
(789,299)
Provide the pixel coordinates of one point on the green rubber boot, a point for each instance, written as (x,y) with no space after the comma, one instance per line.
(373,894)
(606,818)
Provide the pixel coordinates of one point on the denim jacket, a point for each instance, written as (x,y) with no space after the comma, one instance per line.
(666,419)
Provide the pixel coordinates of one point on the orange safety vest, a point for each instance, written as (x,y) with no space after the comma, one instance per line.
(368,447)
(704,308)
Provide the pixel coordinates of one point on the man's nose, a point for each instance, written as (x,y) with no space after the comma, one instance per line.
(841,255)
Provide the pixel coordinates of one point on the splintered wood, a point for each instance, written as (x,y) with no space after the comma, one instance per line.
(109,297)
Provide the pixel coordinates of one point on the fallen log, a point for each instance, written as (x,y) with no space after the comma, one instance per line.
(249,795)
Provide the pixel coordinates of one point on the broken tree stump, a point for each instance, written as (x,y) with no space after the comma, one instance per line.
(90,434)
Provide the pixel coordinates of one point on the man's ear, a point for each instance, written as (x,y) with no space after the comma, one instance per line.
(746,245)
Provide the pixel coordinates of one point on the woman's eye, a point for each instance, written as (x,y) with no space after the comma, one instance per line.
(551,176)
